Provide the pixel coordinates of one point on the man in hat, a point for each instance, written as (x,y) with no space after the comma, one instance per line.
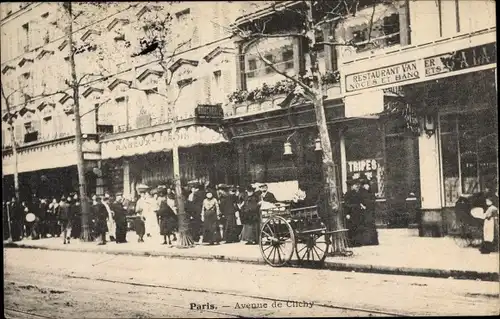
(120,219)
(367,228)
(65,218)
(265,195)
(110,220)
(101,217)
(353,208)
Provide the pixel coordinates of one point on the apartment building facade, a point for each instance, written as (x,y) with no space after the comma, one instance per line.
(434,50)
(126,105)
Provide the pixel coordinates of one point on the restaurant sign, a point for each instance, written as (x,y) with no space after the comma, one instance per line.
(423,69)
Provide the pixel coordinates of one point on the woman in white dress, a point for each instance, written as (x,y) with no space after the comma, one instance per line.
(150,206)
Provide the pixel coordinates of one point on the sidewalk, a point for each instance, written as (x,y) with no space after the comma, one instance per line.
(400,252)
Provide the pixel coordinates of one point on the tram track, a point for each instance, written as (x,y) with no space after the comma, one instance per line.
(16,313)
(256,298)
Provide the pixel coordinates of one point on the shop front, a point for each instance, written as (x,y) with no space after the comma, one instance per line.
(49,169)
(146,158)
(280,148)
(447,90)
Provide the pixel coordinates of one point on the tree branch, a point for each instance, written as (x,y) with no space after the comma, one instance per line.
(95,108)
(268,63)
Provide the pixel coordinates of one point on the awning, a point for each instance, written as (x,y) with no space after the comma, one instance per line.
(48,156)
(160,141)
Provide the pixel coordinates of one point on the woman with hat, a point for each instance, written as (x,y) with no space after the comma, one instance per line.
(228,202)
(250,217)
(141,206)
(168,219)
(210,214)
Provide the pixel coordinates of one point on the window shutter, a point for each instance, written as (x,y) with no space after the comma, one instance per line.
(227,79)
(206,98)
(195,41)
(36,125)
(18,133)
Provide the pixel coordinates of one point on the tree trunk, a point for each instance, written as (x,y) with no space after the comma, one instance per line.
(85,235)
(333,213)
(184,240)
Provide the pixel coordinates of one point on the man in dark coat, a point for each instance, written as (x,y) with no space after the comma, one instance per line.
(77,217)
(265,195)
(369,235)
(353,207)
(120,216)
(43,209)
(66,218)
(101,218)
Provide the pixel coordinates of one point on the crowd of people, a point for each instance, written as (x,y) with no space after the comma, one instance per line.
(214,214)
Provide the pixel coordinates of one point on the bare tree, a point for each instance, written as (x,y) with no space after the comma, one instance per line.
(310,17)
(10,120)
(158,38)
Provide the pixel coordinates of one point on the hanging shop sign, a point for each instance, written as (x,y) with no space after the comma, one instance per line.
(418,64)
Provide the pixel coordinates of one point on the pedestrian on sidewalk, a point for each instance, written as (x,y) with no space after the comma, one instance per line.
(368,230)
(193,208)
(490,218)
(141,206)
(228,209)
(101,215)
(250,217)
(43,212)
(65,218)
(353,206)
(168,218)
(210,215)
(173,205)
(111,218)
(120,219)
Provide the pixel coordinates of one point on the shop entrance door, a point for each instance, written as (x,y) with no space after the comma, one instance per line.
(402,177)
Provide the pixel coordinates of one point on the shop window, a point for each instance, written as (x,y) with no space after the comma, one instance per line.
(469,152)
(364,155)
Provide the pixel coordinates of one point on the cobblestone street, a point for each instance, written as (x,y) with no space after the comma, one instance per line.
(90,285)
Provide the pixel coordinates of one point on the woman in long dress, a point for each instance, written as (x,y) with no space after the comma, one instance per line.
(250,217)
(140,207)
(228,209)
(150,207)
(210,214)
(168,219)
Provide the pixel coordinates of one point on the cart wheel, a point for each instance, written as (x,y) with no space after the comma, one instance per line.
(277,240)
(311,247)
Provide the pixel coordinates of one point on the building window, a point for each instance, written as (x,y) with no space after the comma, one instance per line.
(26,30)
(287,57)
(469,153)
(183,15)
(270,58)
(252,66)
(370,34)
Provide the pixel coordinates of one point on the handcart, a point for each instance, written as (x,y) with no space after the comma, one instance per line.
(300,230)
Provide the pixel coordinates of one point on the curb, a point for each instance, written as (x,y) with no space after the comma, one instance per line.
(330,265)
